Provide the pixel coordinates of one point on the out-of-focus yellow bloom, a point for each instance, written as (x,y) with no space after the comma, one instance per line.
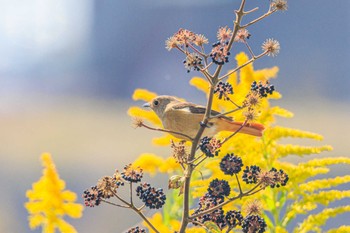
(158,221)
(49,202)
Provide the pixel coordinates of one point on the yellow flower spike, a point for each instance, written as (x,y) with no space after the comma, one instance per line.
(200,84)
(149,163)
(49,202)
(341,229)
(143,94)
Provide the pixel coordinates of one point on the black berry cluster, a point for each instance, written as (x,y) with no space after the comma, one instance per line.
(253,223)
(280,178)
(206,202)
(233,218)
(219,188)
(220,53)
(223,89)
(136,230)
(132,174)
(192,61)
(209,146)
(153,198)
(250,174)
(263,89)
(231,164)
(92,196)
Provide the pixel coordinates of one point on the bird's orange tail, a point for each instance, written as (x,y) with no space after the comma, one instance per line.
(254,129)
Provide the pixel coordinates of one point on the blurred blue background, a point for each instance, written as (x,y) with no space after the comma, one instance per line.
(68,70)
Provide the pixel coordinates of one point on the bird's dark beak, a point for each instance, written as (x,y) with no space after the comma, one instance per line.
(146,105)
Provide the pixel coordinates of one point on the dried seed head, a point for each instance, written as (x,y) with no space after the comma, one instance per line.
(242,35)
(253,207)
(250,114)
(224,34)
(179,152)
(280,5)
(271,46)
(171,43)
(107,186)
(200,40)
(137,122)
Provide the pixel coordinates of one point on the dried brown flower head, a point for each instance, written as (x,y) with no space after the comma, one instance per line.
(266,178)
(137,122)
(250,114)
(224,34)
(179,151)
(171,43)
(185,37)
(253,207)
(242,35)
(280,5)
(271,46)
(252,99)
(200,40)
(132,174)
(107,186)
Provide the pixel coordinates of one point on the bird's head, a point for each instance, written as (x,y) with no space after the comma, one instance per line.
(160,103)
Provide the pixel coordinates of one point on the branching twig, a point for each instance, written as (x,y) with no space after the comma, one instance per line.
(166,131)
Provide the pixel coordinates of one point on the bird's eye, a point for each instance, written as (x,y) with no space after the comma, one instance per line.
(155,103)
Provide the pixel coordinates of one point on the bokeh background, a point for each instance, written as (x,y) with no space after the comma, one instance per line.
(68,70)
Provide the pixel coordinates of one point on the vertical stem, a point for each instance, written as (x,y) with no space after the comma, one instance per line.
(190,167)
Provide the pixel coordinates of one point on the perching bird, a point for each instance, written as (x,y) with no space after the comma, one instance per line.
(185,118)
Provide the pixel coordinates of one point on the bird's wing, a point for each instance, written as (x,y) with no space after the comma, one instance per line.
(196,109)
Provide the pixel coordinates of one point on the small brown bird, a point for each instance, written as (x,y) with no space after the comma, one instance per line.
(185,118)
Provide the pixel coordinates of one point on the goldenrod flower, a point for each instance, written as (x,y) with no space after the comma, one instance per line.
(49,202)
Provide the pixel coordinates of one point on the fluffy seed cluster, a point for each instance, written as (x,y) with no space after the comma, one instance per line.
(272,47)
(92,196)
(233,218)
(251,174)
(253,223)
(153,198)
(242,35)
(131,174)
(223,90)
(280,178)
(209,146)
(280,5)
(183,38)
(263,89)
(107,185)
(192,62)
(219,188)
(136,230)
(254,207)
(179,152)
(231,164)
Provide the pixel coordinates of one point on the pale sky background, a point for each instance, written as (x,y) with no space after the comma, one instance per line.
(68,70)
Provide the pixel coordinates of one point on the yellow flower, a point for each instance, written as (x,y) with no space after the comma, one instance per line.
(49,202)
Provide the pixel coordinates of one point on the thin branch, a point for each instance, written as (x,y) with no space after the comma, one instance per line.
(260,18)
(251,11)
(249,48)
(202,160)
(166,131)
(197,51)
(111,203)
(131,202)
(239,185)
(226,113)
(243,65)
